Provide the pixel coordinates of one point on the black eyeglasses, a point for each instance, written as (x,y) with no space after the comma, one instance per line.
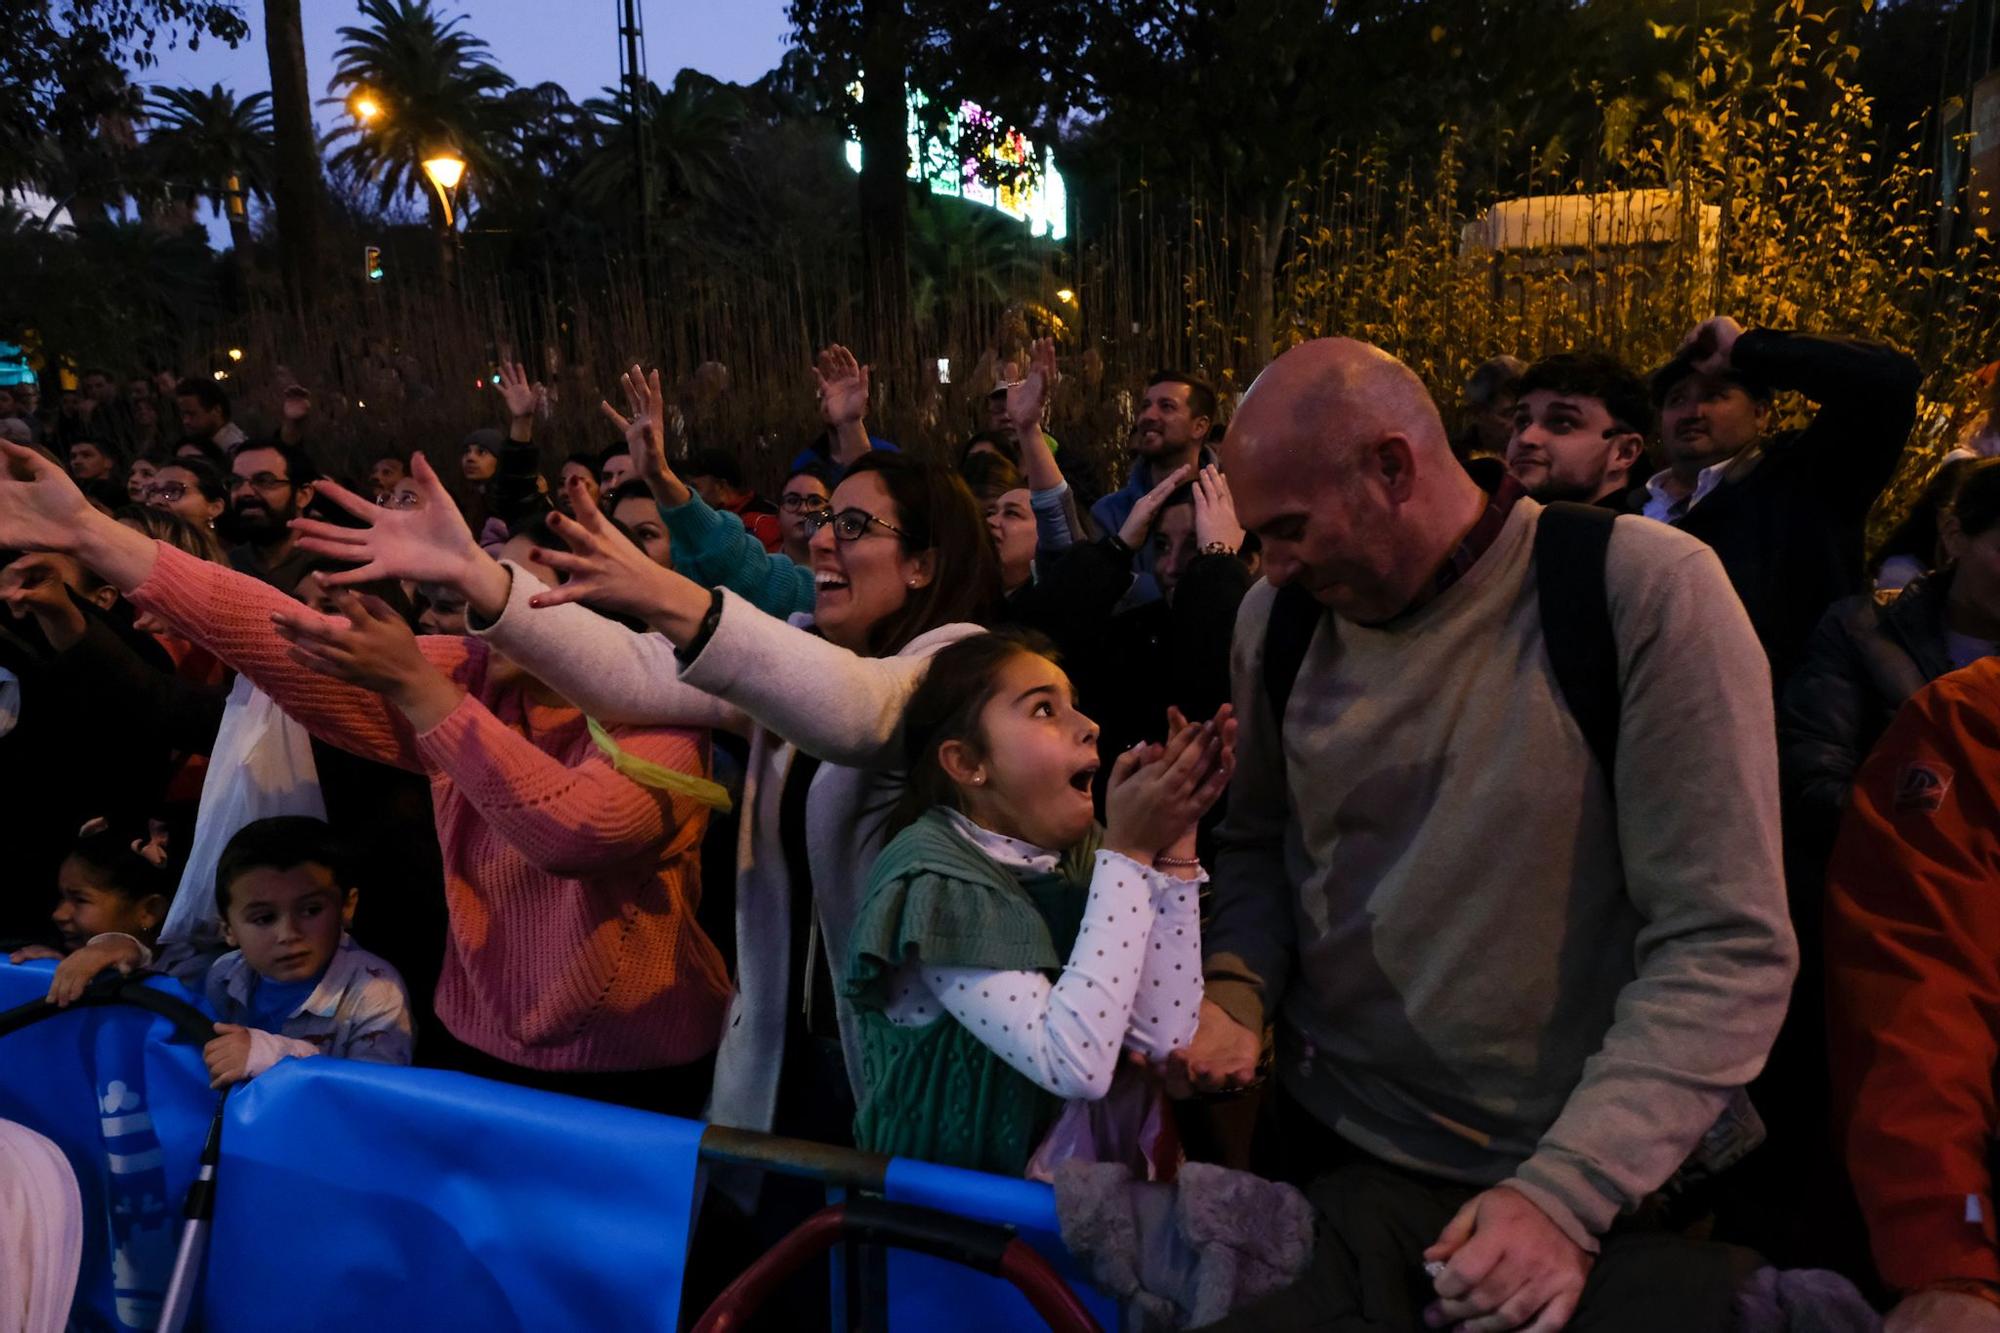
(849,525)
(795,503)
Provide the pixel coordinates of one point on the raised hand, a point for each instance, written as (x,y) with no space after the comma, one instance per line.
(843,387)
(1712,341)
(1215,512)
(1140,521)
(40,507)
(427,544)
(521,397)
(1027,399)
(1158,792)
(646,432)
(368,645)
(603,569)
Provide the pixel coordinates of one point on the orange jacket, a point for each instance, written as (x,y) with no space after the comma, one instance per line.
(1913,974)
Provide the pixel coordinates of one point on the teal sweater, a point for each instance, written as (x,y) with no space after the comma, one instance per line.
(715,550)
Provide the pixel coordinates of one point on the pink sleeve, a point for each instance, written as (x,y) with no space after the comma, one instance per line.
(569,821)
(229,613)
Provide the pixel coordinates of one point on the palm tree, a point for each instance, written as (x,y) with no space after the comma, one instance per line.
(209,145)
(690,131)
(437,89)
(295,186)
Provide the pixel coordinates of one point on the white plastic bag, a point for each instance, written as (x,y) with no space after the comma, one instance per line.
(1131,1124)
(261,765)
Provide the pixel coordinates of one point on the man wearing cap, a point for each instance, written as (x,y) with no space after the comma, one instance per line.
(1785,513)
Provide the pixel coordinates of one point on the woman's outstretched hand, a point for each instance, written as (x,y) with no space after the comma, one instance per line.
(41,509)
(368,645)
(608,573)
(646,432)
(428,544)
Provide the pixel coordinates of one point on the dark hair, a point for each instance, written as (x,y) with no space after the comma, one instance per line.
(538,532)
(611,451)
(206,450)
(957,685)
(994,440)
(206,392)
(389,590)
(164,525)
(393,453)
(1201,397)
(819,472)
(1917,534)
(1491,378)
(115,867)
(1682,366)
(207,479)
(1976,505)
(299,469)
(583,459)
(721,464)
(988,477)
(630,490)
(1593,375)
(936,513)
(279,843)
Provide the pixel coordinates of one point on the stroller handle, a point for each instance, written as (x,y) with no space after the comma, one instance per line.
(978,1245)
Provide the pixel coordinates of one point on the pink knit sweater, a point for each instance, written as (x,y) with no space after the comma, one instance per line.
(571,889)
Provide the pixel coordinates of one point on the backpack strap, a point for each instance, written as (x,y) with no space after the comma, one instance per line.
(1295,618)
(1571,544)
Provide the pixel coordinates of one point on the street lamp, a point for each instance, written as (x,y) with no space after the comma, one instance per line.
(364,107)
(445,169)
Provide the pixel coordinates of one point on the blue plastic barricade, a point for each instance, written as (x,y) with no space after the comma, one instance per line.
(927,1294)
(129,1109)
(353,1196)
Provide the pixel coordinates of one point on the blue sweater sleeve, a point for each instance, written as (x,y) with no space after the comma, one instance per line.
(717,551)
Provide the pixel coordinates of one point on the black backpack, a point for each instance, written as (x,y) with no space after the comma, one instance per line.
(1571,542)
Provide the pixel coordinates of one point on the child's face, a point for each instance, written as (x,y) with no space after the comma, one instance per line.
(288,922)
(1031,778)
(88,908)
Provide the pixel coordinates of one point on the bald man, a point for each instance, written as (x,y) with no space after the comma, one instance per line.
(1507,1008)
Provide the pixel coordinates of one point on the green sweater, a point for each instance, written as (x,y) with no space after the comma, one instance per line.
(937,1093)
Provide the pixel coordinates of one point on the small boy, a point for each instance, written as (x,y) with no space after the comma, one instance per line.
(295,984)
(105,887)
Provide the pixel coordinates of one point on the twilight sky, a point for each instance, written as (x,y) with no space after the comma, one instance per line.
(571,42)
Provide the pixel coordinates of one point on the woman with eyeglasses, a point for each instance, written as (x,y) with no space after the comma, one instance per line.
(806,492)
(902,565)
(575,962)
(190,487)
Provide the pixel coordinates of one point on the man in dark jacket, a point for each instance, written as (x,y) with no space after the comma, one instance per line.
(1580,424)
(1785,513)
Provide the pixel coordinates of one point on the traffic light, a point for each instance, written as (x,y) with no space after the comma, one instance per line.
(371,262)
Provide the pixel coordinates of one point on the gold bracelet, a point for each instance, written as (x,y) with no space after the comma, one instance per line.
(1178,862)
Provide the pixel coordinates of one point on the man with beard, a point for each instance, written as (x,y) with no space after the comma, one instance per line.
(1580,424)
(1175,420)
(1785,513)
(270,484)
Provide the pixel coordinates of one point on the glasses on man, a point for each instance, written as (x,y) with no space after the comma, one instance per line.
(263,483)
(167,492)
(795,502)
(399,500)
(849,525)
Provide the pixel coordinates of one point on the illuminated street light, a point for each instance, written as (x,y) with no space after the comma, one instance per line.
(236,354)
(1066,296)
(445,170)
(364,107)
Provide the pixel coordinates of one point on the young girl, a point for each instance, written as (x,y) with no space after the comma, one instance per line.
(997,875)
(105,888)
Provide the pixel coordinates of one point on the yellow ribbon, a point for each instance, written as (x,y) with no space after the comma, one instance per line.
(649,774)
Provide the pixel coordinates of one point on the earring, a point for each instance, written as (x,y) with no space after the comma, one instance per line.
(979,779)
(913,583)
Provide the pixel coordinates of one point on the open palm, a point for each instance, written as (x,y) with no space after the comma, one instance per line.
(1026,399)
(843,386)
(40,507)
(428,544)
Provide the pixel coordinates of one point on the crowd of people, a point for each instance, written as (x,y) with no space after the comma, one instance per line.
(1567,830)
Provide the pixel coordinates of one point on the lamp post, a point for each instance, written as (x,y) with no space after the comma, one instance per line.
(445,170)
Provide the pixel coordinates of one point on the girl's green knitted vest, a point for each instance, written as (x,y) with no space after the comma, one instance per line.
(937,1093)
